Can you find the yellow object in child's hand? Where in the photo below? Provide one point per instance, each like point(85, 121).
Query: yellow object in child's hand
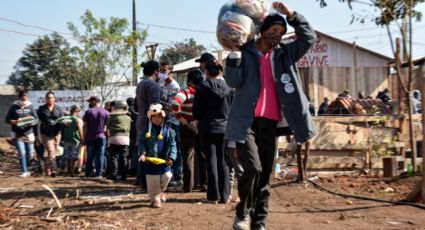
point(155, 160)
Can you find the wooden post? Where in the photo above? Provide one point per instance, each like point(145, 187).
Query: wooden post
point(151, 50)
point(409, 87)
point(134, 54)
point(368, 155)
point(422, 84)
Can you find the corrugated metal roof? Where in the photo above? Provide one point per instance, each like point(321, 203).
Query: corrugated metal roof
point(191, 64)
point(350, 106)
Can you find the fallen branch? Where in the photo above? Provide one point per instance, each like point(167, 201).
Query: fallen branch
point(15, 201)
point(54, 195)
point(52, 219)
point(50, 212)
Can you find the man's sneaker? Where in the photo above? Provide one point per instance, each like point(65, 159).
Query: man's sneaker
point(242, 224)
point(25, 174)
point(162, 197)
point(156, 203)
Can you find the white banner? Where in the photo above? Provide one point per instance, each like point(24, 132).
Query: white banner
point(66, 98)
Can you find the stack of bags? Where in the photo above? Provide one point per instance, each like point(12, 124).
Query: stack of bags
point(239, 21)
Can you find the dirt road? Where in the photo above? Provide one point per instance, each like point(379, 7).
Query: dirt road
point(103, 204)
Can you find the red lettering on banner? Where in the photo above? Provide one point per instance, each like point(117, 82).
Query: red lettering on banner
point(317, 56)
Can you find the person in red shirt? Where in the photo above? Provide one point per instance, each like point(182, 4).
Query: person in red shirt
point(181, 106)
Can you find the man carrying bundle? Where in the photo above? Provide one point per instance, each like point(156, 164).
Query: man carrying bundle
point(268, 90)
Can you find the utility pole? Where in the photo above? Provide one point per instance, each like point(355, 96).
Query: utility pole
point(151, 50)
point(134, 77)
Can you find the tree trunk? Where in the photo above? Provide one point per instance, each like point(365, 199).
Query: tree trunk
point(419, 191)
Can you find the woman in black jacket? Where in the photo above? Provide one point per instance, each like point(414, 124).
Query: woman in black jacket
point(50, 130)
point(210, 107)
point(22, 118)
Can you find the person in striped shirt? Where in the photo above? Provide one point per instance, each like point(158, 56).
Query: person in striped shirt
point(181, 106)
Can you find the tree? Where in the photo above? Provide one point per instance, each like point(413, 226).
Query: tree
point(104, 56)
point(182, 51)
point(46, 64)
point(401, 13)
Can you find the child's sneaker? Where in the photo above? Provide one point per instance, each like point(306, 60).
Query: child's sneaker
point(156, 203)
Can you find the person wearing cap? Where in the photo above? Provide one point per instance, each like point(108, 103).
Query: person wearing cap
point(118, 133)
point(95, 120)
point(205, 57)
point(148, 92)
point(72, 137)
point(158, 149)
point(181, 107)
point(268, 89)
point(22, 118)
point(50, 132)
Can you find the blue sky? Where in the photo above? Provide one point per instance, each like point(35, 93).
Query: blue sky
point(187, 14)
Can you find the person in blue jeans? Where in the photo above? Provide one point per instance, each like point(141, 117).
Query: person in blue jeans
point(94, 132)
point(22, 118)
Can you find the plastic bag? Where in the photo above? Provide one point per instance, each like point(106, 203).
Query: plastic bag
point(255, 9)
point(239, 22)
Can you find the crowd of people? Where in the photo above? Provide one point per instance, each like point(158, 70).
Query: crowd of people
point(126, 138)
point(219, 129)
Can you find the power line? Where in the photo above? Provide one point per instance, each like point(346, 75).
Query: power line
point(356, 30)
point(18, 32)
point(177, 28)
point(31, 26)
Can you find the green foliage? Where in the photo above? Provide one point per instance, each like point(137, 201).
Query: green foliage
point(102, 58)
point(182, 51)
point(389, 10)
point(105, 53)
point(47, 63)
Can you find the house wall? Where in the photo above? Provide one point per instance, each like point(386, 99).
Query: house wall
point(332, 66)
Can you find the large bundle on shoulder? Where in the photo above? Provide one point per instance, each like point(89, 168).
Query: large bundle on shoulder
point(239, 21)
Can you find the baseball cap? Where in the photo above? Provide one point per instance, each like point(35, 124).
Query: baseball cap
point(205, 57)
